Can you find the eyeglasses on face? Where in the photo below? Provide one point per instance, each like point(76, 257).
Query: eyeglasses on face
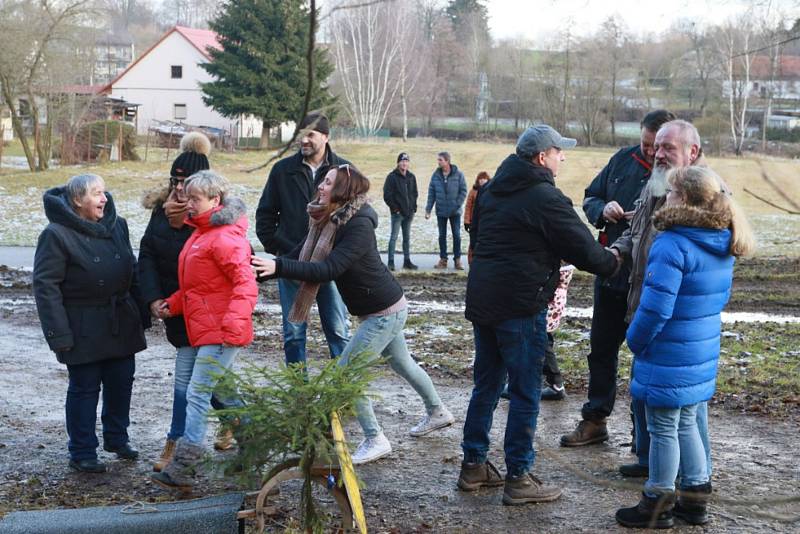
point(175, 180)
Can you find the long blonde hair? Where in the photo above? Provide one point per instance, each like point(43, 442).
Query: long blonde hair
point(701, 187)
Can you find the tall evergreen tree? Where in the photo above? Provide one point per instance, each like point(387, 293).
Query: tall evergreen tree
point(261, 69)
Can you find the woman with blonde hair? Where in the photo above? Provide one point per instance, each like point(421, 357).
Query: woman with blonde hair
point(216, 295)
point(675, 338)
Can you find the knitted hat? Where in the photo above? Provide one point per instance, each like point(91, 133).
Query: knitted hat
point(195, 148)
point(316, 121)
point(403, 156)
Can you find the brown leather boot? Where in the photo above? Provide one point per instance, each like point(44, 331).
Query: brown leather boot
point(526, 489)
point(476, 476)
point(457, 264)
point(586, 433)
point(442, 264)
point(224, 439)
point(166, 456)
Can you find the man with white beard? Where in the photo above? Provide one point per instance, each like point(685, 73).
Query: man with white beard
point(677, 144)
point(609, 204)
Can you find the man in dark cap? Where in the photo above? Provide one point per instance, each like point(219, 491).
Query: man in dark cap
point(400, 194)
point(526, 227)
point(282, 223)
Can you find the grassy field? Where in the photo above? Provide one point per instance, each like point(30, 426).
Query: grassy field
point(23, 218)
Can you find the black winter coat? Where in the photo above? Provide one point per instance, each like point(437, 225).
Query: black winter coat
point(158, 264)
point(622, 179)
point(364, 282)
point(400, 192)
point(281, 217)
point(526, 228)
point(84, 282)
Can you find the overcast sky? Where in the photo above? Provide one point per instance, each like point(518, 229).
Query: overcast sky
point(540, 19)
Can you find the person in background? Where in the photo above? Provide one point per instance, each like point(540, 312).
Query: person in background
point(675, 339)
point(163, 240)
point(85, 286)
point(341, 247)
point(216, 295)
point(447, 191)
point(282, 223)
point(480, 180)
point(400, 194)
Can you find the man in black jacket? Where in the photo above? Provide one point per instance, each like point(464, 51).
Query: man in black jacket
point(526, 228)
point(609, 203)
point(400, 194)
point(282, 224)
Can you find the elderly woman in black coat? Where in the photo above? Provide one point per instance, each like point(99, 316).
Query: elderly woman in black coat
point(84, 282)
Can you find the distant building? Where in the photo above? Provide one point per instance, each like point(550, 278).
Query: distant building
point(165, 82)
point(112, 54)
point(784, 85)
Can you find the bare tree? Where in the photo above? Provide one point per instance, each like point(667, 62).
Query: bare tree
point(734, 40)
point(612, 39)
point(412, 58)
point(366, 52)
point(31, 37)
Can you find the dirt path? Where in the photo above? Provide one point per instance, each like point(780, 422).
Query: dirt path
point(413, 490)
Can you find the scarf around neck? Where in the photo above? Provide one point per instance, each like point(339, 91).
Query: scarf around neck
point(317, 247)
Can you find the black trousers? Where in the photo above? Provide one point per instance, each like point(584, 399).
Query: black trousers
point(608, 333)
point(550, 370)
point(85, 381)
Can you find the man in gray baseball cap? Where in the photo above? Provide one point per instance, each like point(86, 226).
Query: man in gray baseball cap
point(522, 227)
point(540, 138)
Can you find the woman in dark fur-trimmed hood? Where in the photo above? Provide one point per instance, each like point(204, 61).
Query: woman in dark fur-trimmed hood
point(675, 339)
point(340, 246)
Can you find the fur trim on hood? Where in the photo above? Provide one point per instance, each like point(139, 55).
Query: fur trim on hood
point(196, 142)
point(155, 197)
point(693, 216)
point(232, 210)
point(346, 212)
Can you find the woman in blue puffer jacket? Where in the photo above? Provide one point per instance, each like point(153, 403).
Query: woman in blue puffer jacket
point(675, 338)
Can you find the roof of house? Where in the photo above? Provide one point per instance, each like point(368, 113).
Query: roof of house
point(202, 40)
point(761, 67)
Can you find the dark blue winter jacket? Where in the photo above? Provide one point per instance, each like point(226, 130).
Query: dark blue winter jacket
point(448, 193)
point(675, 333)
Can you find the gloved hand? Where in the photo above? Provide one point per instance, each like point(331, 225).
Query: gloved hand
point(467, 226)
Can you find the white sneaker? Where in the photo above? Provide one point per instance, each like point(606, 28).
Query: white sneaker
point(440, 418)
point(371, 449)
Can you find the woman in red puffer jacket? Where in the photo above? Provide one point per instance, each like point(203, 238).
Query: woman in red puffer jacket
point(216, 296)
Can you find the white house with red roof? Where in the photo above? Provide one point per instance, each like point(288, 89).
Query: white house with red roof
point(165, 82)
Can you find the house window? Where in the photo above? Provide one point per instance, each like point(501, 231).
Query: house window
point(179, 112)
point(177, 72)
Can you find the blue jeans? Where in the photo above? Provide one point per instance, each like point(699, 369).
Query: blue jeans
point(383, 336)
point(116, 377)
point(642, 436)
point(184, 365)
point(332, 315)
point(210, 360)
point(516, 345)
point(400, 221)
point(455, 227)
point(674, 444)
